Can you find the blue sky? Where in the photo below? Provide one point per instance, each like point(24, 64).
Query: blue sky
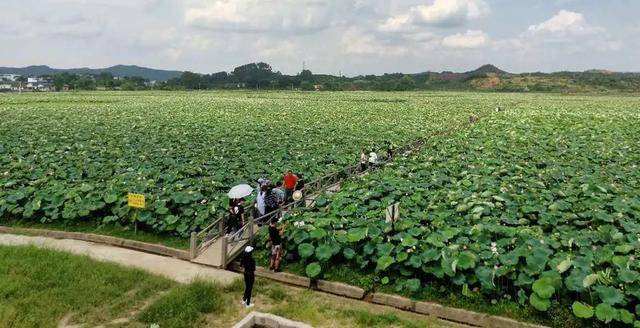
point(351, 36)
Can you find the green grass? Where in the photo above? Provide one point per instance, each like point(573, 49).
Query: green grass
point(106, 229)
point(39, 287)
point(184, 305)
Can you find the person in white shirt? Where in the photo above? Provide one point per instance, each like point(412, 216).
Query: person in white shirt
point(260, 204)
point(373, 158)
point(363, 161)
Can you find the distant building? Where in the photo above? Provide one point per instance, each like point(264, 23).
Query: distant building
point(39, 84)
point(5, 87)
point(9, 77)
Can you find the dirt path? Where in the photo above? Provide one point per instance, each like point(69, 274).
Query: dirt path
point(178, 270)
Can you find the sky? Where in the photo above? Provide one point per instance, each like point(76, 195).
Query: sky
point(351, 37)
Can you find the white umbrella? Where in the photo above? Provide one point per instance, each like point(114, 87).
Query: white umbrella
point(240, 191)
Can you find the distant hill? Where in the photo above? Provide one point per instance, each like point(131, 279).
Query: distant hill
point(118, 70)
point(485, 78)
point(486, 69)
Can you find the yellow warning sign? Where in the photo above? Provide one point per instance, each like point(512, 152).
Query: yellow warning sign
point(136, 200)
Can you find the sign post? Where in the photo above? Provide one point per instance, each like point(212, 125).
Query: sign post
point(137, 202)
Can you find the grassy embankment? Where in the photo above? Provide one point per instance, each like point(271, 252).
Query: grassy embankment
point(47, 288)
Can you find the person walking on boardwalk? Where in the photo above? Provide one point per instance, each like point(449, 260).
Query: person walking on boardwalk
point(300, 184)
point(364, 159)
point(236, 217)
point(289, 184)
point(275, 235)
point(249, 265)
point(270, 202)
point(260, 201)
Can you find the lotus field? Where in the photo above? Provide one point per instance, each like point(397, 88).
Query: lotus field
point(73, 157)
point(539, 204)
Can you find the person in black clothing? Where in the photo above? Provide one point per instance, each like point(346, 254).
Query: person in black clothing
point(236, 218)
point(389, 150)
point(249, 265)
point(300, 184)
point(275, 234)
point(270, 201)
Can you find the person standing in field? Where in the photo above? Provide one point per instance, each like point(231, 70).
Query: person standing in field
point(364, 159)
point(249, 265)
point(275, 235)
point(373, 158)
point(289, 184)
point(389, 150)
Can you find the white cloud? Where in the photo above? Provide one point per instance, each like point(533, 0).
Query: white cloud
point(272, 48)
point(451, 12)
point(254, 16)
point(564, 23)
point(61, 26)
point(471, 39)
point(172, 54)
point(396, 23)
point(566, 34)
point(443, 13)
point(357, 42)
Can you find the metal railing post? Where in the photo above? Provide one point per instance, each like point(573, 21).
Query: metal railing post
point(193, 244)
point(221, 228)
point(251, 231)
point(223, 256)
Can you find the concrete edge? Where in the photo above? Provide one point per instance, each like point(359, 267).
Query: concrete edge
point(101, 239)
point(450, 314)
point(283, 277)
point(269, 320)
point(395, 301)
point(340, 289)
